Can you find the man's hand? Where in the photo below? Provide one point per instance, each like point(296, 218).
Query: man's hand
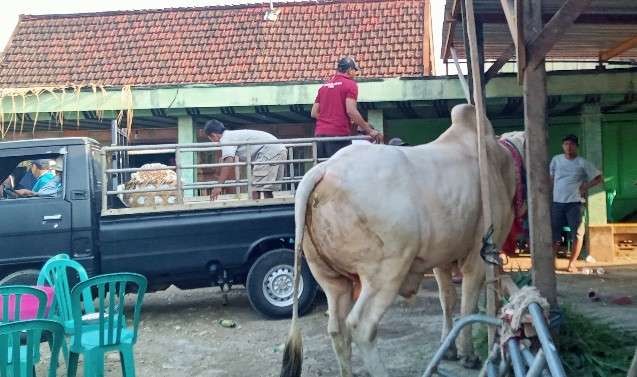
point(583, 190)
point(24, 193)
point(215, 193)
point(376, 135)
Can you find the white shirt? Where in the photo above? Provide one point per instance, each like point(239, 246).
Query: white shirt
point(243, 136)
point(568, 176)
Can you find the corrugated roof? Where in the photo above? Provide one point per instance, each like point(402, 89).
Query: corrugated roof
point(604, 25)
point(219, 44)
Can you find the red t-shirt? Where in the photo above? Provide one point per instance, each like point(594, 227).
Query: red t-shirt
point(333, 119)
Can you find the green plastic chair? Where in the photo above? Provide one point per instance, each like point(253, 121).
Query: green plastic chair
point(21, 340)
point(12, 302)
point(55, 273)
point(12, 297)
point(108, 329)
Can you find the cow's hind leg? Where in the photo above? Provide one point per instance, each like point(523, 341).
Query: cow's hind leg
point(447, 293)
point(473, 270)
point(364, 318)
point(339, 301)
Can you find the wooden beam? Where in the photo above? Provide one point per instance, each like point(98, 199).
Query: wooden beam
point(512, 10)
point(499, 63)
point(448, 42)
point(520, 47)
point(508, 7)
point(484, 131)
point(461, 77)
point(561, 21)
point(622, 47)
point(537, 162)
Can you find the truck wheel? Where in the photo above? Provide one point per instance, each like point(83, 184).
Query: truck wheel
point(24, 277)
point(270, 282)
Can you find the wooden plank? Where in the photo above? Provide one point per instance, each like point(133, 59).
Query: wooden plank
point(622, 47)
point(508, 7)
point(499, 63)
point(467, 49)
point(485, 191)
point(461, 77)
point(537, 176)
point(557, 26)
point(448, 42)
point(520, 47)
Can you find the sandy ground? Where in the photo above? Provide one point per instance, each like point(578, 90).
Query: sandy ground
point(180, 334)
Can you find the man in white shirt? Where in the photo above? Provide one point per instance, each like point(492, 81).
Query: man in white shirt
point(572, 176)
point(216, 132)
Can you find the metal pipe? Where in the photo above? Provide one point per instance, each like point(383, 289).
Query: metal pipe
point(492, 371)
point(180, 191)
point(453, 334)
point(529, 358)
point(104, 185)
point(131, 170)
point(185, 147)
point(516, 357)
point(538, 366)
point(552, 357)
point(249, 171)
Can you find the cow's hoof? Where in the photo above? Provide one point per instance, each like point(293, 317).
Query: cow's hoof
point(451, 354)
point(470, 362)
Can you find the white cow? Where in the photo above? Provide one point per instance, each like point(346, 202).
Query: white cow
point(375, 218)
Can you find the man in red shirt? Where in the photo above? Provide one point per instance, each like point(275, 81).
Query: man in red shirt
point(335, 109)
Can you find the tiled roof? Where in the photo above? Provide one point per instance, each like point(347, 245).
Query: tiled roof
point(389, 38)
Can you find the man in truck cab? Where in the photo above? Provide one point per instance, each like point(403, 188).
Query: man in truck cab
point(43, 175)
point(216, 132)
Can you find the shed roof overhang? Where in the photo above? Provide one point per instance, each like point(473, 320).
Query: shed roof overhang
point(606, 30)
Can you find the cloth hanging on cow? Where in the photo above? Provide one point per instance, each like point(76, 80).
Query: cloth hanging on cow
point(519, 199)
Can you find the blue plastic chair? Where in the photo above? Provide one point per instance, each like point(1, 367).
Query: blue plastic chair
point(60, 272)
point(107, 330)
point(19, 342)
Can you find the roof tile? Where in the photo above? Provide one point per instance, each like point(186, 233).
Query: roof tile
point(217, 44)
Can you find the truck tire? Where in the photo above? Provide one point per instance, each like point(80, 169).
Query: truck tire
point(23, 277)
point(270, 282)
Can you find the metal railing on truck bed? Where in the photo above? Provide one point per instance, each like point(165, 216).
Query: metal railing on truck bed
point(194, 160)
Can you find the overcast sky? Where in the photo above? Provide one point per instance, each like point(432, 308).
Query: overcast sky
point(11, 9)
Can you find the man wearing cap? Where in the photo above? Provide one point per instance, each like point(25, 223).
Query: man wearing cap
point(261, 173)
point(42, 173)
point(572, 176)
point(53, 188)
point(335, 109)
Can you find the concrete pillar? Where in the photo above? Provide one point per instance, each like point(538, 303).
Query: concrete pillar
point(187, 134)
point(591, 120)
point(376, 119)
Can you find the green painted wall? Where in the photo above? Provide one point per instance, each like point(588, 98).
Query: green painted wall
point(620, 168)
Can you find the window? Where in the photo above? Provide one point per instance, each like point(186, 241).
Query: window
point(29, 177)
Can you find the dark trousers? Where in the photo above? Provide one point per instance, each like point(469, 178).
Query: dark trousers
point(326, 149)
point(567, 214)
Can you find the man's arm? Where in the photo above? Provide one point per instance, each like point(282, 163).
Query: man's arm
point(315, 110)
point(225, 172)
point(587, 185)
point(356, 117)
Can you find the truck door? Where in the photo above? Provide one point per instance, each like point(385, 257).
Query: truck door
point(34, 228)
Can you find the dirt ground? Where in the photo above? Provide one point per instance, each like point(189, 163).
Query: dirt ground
point(180, 334)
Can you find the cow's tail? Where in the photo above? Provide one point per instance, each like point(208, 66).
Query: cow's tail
point(293, 354)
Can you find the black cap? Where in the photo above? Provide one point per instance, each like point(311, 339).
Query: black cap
point(347, 63)
point(571, 138)
point(213, 126)
point(42, 163)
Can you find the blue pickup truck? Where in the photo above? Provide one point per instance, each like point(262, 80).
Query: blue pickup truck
point(188, 246)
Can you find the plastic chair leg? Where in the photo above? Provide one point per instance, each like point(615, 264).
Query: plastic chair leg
point(72, 364)
point(94, 363)
point(127, 360)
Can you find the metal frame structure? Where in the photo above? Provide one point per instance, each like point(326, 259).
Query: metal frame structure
point(110, 175)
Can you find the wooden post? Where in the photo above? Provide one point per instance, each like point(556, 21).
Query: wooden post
point(537, 174)
point(483, 162)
